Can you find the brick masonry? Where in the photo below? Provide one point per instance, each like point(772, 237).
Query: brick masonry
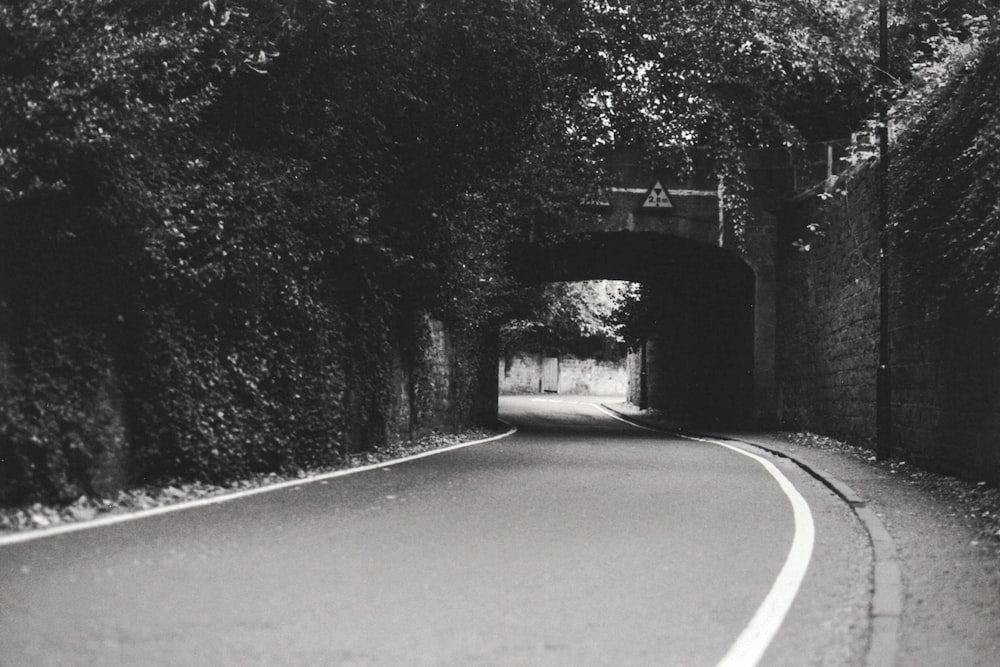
point(946, 384)
point(944, 358)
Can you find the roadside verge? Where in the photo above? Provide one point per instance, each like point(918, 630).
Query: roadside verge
point(250, 488)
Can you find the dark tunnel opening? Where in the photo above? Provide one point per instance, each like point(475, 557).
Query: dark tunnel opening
point(696, 361)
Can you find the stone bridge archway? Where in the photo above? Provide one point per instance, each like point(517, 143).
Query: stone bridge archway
point(717, 292)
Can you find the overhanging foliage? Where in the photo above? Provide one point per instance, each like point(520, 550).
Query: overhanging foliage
point(947, 184)
point(235, 207)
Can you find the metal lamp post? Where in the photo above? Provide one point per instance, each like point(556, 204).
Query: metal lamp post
point(883, 386)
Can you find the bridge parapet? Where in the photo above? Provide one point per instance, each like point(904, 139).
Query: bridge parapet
point(691, 206)
point(672, 231)
point(654, 208)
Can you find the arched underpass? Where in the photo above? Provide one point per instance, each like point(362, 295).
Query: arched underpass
point(698, 363)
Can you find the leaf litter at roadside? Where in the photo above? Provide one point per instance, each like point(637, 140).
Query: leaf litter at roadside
point(84, 508)
point(975, 503)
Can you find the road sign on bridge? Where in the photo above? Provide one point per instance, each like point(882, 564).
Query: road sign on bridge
point(657, 198)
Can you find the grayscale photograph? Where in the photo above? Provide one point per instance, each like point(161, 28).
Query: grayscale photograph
point(500, 333)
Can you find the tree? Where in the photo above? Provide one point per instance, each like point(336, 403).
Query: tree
point(242, 206)
point(233, 201)
point(578, 317)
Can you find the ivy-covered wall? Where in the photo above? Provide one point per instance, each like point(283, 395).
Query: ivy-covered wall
point(97, 394)
point(246, 236)
point(944, 328)
point(946, 384)
point(946, 269)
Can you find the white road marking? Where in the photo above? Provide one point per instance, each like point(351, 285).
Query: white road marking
point(749, 647)
point(29, 535)
point(746, 651)
point(623, 420)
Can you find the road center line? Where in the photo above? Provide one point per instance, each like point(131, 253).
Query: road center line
point(751, 644)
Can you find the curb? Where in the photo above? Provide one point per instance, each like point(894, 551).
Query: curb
point(887, 582)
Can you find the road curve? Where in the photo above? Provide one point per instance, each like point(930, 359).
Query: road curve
point(579, 541)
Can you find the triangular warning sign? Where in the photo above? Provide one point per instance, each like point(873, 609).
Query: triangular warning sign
point(657, 197)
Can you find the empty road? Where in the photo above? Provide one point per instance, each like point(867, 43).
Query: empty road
point(580, 540)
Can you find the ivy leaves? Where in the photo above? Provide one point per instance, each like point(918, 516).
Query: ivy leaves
point(946, 194)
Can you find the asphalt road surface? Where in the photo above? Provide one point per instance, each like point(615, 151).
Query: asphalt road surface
point(581, 540)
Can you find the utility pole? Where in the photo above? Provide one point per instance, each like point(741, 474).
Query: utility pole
point(883, 385)
point(643, 376)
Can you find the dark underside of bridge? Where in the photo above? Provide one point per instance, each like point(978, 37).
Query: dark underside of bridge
point(700, 299)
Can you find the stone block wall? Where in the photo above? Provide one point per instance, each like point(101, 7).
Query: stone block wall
point(633, 372)
point(587, 376)
point(946, 384)
point(522, 373)
point(442, 378)
point(943, 353)
point(427, 378)
point(827, 310)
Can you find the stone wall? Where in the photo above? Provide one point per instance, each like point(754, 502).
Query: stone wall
point(426, 380)
point(522, 374)
point(944, 357)
point(699, 355)
point(945, 384)
point(633, 371)
point(827, 319)
point(70, 395)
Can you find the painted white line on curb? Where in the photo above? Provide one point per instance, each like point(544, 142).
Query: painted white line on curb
point(749, 647)
point(29, 535)
point(623, 420)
